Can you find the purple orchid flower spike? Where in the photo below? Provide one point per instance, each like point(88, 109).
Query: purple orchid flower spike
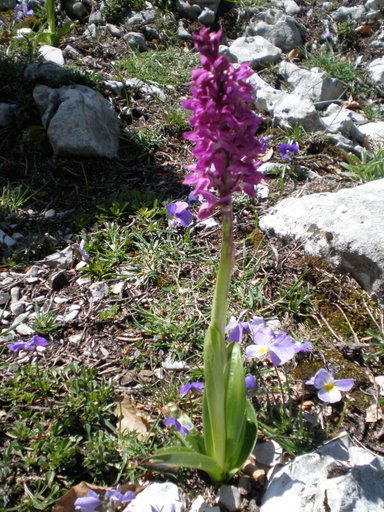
point(197, 386)
point(88, 503)
point(183, 429)
point(328, 388)
point(117, 495)
point(288, 150)
point(224, 127)
point(178, 214)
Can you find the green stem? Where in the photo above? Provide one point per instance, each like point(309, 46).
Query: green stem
point(220, 298)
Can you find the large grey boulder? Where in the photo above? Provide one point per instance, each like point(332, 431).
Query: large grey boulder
point(374, 133)
point(338, 477)
point(344, 121)
point(313, 84)
point(253, 49)
point(288, 110)
point(194, 8)
point(344, 227)
point(79, 121)
point(279, 29)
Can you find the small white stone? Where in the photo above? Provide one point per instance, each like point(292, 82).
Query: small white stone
point(52, 54)
point(72, 315)
point(165, 496)
point(117, 288)
point(269, 453)
point(18, 308)
point(99, 290)
point(24, 330)
point(49, 214)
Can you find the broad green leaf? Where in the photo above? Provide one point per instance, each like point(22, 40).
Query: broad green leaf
point(248, 441)
point(184, 457)
point(214, 395)
point(235, 402)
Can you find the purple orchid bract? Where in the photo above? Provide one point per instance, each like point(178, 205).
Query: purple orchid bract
point(328, 388)
point(224, 127)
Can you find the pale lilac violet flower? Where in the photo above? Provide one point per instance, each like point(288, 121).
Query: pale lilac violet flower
point(193, 198)
point(303, 347)
point(329, 389)
point(31, 344)
point(88, 503)
point(168, 508)
point(117, 495)
point(238, 328)
point(269, 347)
point(288, 150)
point(22, 11)
point(178, 214)
point(250, 384)
point(197, 386)
point(183, 429)
point(224, 127)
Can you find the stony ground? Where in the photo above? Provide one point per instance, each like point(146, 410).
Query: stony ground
point(144, 330)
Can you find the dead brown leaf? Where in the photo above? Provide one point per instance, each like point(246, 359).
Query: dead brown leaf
point(130, 419)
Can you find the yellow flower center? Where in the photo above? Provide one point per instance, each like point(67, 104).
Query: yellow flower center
point(262, 351)
point(329, 386)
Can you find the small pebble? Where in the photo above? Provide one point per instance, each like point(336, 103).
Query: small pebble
point(24, 330)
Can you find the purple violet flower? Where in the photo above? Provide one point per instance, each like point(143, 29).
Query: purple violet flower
point(88, 503)
point(237, 328)
point(288, 150)
point(178, 214)
point(183, 429)
point(193, 198)
point(329, 389)
point(22, 11)
point(31, 344)
point(250, 384)
point(117, 495)
point(269, 347)
point(197, 386)
point(224, 127)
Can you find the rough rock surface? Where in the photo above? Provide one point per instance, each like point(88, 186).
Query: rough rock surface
point(255, 50)
point(79, 121)
point(344, 227)
point(338, 477)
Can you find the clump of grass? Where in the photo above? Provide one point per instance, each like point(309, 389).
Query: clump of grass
point(115, 10)
point(13, 198)
point(370, 167)
point(163, 67)
point(45, 322)
point(336, 67)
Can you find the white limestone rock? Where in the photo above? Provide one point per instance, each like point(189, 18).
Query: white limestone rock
point(313, 84)
point(374, 132)
point(376, 70)
point(338, 477)
point(343, 227)
point(165, 496)
point(278, 28)
point(51, 54)
point(253, 49)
